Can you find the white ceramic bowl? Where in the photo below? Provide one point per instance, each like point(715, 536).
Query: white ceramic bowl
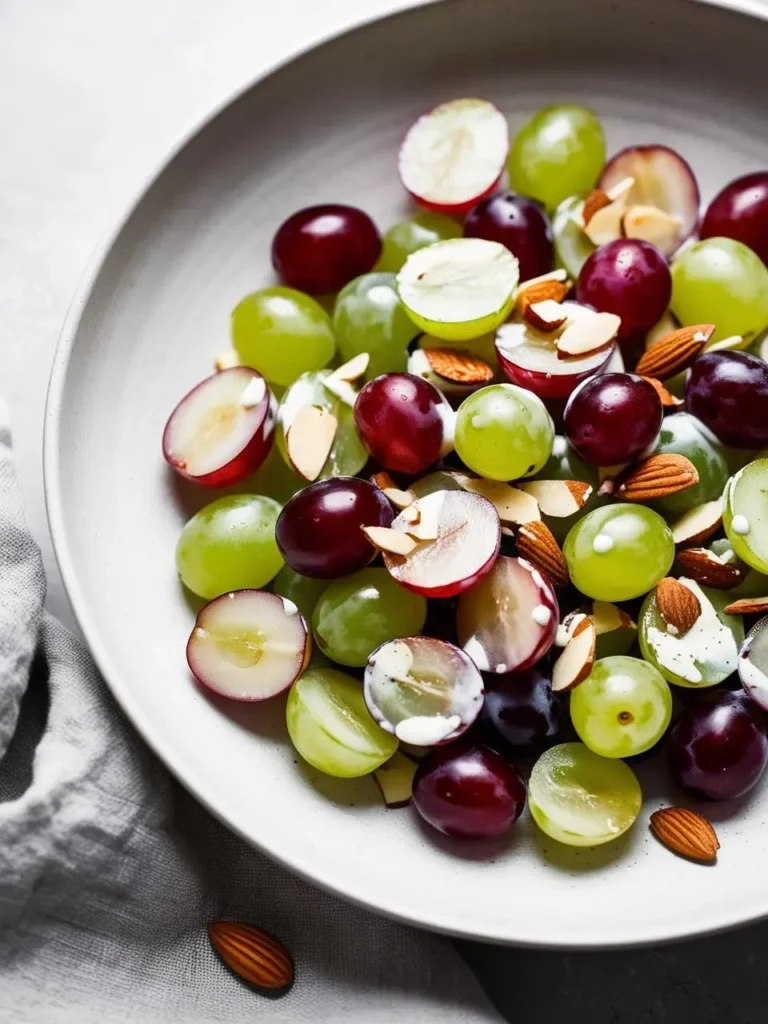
point(156, 308)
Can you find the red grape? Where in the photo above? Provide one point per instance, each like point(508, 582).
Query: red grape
point(613, 418)
point(468, 792)
point(728, 392)
point(321, 248)
point(523, 709)
point(629, 278)
point(319, 529)
point(740, 211)
point(718, 748)
point(518, 223)
point(400, 419)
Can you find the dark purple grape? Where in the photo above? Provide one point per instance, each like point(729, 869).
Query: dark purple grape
point(613, 418)
point(400, 421)
point(718, 748)
point(468, 792)
point(518, 223)
point(629, 278)
point(740, 211)
point(523, 709)
point(728, 392)
point(321, 248)
point(318, 530)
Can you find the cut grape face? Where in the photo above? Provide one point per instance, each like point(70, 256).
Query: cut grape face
point(579, 798)
point(458, 536)
point(425, 691)
point(331, 727)
point(753, 664)
point(223, 429)
point(745, 514)
point(248, 645)
point(508, 621)
point(454, 155)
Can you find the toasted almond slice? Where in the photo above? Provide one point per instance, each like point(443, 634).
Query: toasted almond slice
point(393, 541)
point(605, 224)
point(705, 567)
point(411, 513)
point(226, 360)
point(650, 224)
point(575, 663)
point(686, 833)
point(588, 334)
point(674, 353)
point(699, 523)
point(596, 200)
point(536, 543)
point(541, 289)
point(748, 606)
point(513, 504)
point(458, 367)
point(354, 369)
point(679, 607)
point(309, 440)
point(607, 618)
point(657, 477)
point(342, 389)
point(546, 315)
point(668, 400)
point(557, 498)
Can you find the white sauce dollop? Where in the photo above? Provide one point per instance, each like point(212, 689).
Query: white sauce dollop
point(740, 525)
point(541, 615)
point(426, 730)
point(253, 392)
point(602, 544)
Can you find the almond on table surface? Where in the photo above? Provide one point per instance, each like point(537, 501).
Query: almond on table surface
point(253, 954)
point(686, 833)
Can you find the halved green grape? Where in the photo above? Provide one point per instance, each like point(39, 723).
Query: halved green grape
point(230, 545)
point(559, 152)
point(683, 434)
point(619, 552)
point(564, 464)
point(413, 233)
point(347, 455)
point(459, 289)
point(282, 333)
point(580, 798)
point(572, 247)
point(304, 591)
point(745, 514)
point(504, 432)
point(368, 317)
point(721, 281)
point(331, 727)
point(704, 656)
point(622, 708)
point(360, 612)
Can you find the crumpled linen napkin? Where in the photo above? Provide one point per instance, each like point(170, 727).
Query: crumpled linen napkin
point(109, 871)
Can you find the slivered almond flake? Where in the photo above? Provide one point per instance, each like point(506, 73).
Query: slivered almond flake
point(668, 400)
point(390, 490)
point(354, 369)
point(686, 833)
point(650, 224)
point(656, 477)
point(699, 523)
point(733, 344)
point(621, 189)
point(607, 618)
point(546, 315)
point(458, 367)
point(679, 607)
point(596, 200)
point(605, 224)
point(426, 526)
point(392, 541)
point(513, 504)
point(536, 543)
point(541, 289)
point(705, 567)
point(254, 955)
point(558, 498)
point(309, 440)
point(575, 663)
point(588, 334)
point(608, 475)
point(675, 352)
point(748, 606)
point(226, 360)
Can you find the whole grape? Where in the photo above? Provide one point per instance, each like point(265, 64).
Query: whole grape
point(368, 317)
point(413, 233)
point(740, 211)
point(613, 418)
point(630, 278)
point(728, 392)
point(517, 223)
point(504, 432)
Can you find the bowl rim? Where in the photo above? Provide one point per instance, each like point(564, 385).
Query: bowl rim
point(112, 677)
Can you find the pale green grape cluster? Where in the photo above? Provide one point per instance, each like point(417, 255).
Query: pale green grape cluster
point(504, 432)
point(368, 317)
point(413, 233)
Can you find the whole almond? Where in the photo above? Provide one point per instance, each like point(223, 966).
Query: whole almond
point(675, 352)
point(656, 477)
point(705, 567)
point(253, 954)
point(536, 543)
point(747, 606)
point(686, 833)
point(458, 367)
point(678, 606)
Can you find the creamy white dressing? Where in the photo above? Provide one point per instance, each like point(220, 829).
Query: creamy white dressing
point(426, 730)
point(740, 525)
point(602, 544)
point(708, 642)
point(253, 392)
point(541, 615)
point(473, 648)
point(289, 607)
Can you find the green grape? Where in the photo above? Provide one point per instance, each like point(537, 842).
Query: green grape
point(745, 514)
point(368, 317)
point(282, 333)
point(683, 434)
point(622, 708)
point(581, 799)
point(704, 656)
point(415, 232)
point(230, 545)
point(572, 247)
point(331, 727)
point(559, 152)
point(564, 464)
point(721, 281)
point(302, 590)
point(504, 432)
point(440, 480)
point(619, 552)
point(360, 612)
point(347, 455)
point(275, 477)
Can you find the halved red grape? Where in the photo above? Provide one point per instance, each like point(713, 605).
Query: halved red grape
point(403, 422)
point(629, 278)
point(425, 691)
point(740, 211)
point(523, 709)
point(322, 248)
point(468, 792)
point(728, 392)
point(613, 418)
point(319, 530)
point(249, 645)
point(508, 621)
point(518, 223)
point(223, 429)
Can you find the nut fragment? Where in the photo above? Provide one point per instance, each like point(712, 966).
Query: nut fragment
point(513, 504)
point(650, 224)
point(552, 286)
point(536, 543)
point(607, 618)
point(596, 200)
point(254, 955)
point(575, 663)
point(686, 833)
point(748, 606)
point(679, 607)
point(399, 498)
point(588, 334)
point(309, 440)
point(699, 523)
point(395, 780)
point(675, 352)
point(668, 400)
point(558, 498)
point(704, 566)
point(393, 541)
point(354, 369)
point(656, 477)
point(458, 367)
point(605, 224)
point(546, 315)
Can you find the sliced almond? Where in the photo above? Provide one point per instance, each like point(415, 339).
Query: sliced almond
point(596, 200)
point(354, 369)
point(686, 833)
point(679, 607)
point(541, 289)
point(705, 567)
point(395, 780)
point(650, 224)
point(668, 400)
point(699, 523)
point(588, 334)
point(342, 389)
point(546, 316)
point(226, 360)
point(393, 541)
point(458, 367)
point(426, 526)
point(748, 606)
point(399, 498)
point(605, 224)
point(558, 498)
point(621, 189)
point(513, 504)
point(536, 543)
point(575, 663)
point(736, 343)
point(309, 440)
point(607, 618)
point(675, 352)
point(657, 477)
